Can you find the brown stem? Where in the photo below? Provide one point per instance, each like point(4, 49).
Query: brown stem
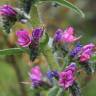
point(11, 59)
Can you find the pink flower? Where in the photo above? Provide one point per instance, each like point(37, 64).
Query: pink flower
point(24, 38)
point(71, 67)
point(7, 10)
point(66, 78)
point(86, 52)
point(35, 76)
point(84, 57)
point(68, 35)
point(88, 47)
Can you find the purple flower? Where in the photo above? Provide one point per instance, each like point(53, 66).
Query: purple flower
point(35, 76)
point(86, 52)
point(52, 74)
point(7, 10)
point(24, 38)
point(58, 35)
point(76, 50)
point(66, 78)
point(37, 33)
point(88, 47)
point(71, 67)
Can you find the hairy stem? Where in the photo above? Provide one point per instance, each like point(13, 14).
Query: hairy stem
point(47, 51)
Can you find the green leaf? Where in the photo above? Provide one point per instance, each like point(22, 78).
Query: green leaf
point(11, 51)
point(44, 41)
point(53, 91)
point(34, 14)
point(69, 5)
point(61, 92)
point(93, 58)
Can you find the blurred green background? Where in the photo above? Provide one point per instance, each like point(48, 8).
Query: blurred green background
point(14, 69)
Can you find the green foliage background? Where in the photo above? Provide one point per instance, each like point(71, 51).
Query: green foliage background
point(53, 18)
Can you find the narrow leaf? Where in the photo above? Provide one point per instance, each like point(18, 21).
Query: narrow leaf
point(53, 91)
point(69, 5)
point(60, 92)
point(44, 41)
point(11, 51)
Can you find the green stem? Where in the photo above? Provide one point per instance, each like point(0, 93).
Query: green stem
point(47, 52)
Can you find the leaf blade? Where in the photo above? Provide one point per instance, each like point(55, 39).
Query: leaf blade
point(11, 51)
point(67, 4)
point(44, 42)
point(53, 91)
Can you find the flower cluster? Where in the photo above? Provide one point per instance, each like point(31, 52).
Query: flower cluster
point(9, 15)
point(30, 40)
point(35, 76)
point(66, 78)
point(86, 52)
point(82, 52)
point(11, 12)
point(60, 75)
point(7, 10)
point(26, 39)
point(63, 78)
point(66, 36)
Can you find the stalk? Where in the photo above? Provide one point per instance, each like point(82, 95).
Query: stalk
point(47, 52)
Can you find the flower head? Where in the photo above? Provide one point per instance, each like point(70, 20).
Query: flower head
point(86, 52)
point(84, 57)
point(58, 35)
point(76, 50)
point(37, 33)
point(88, 47)
point(7, 10)
point(66, 78)
point(52, 74)
point(35, 76)
point(71, 67)
point(24, 38)
point(8, 16)
point(68, 35)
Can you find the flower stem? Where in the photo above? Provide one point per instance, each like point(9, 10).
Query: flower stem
point(47, 52)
